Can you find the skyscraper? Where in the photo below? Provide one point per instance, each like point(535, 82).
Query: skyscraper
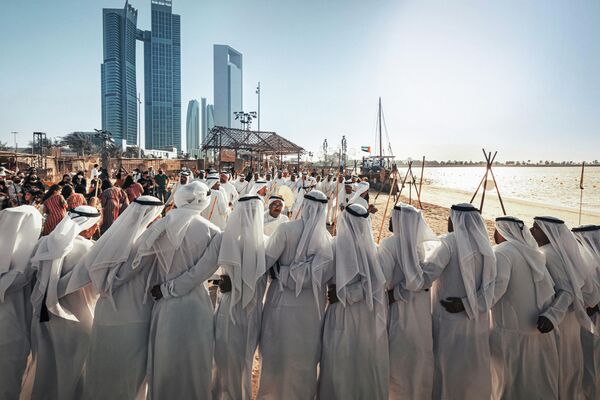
point(192, 126)
point(162, 77)
point(227, 85)
point(118, 86)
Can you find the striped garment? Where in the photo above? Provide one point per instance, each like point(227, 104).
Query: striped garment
point(55, 208)
point(75, 200)
point(114, 201)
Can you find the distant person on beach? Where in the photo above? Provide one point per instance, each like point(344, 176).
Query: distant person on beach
point(355, 355)
point(589, 237)
point(525, 311)
point(408, 280)
point(461, 299)
point(239, 306)
point(180, 252)
point(300, 257)
point(574, 282)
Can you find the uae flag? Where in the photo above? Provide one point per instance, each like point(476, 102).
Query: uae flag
point(366, 148)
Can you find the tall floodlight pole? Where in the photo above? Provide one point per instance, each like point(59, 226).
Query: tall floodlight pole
point(16, 165)
point(325, 150)
point(258, 93)
point(139, 138)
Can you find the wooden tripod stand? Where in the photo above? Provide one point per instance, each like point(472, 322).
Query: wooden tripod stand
point(484, 181)
point(412, 183)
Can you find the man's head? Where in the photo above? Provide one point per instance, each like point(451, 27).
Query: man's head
point(160, 171)
point(293, 178)
point(183, 178)
point(275, 206)
point(539, 235)
point(279, 175)
point(96, 166)
point(498, 238)
point(223, 177)
point(348, 188)
point(66, 178)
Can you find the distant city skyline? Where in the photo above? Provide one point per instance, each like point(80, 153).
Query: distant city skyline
point(520, 78)
point(192, 126)
point(228, 85)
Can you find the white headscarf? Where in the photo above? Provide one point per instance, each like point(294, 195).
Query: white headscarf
point(577, 267)
point(314, 249)
point(413, 240)
point(361, 187)
point(356, 256)
point(589, 237)
point(258, 185)
point(275, 198)
point(49, 257)
point(243, 249)
point(472, 240)
point(212, 179)
point(21, 228)
point(516, 233)
point(190, 201)
point(105, 258)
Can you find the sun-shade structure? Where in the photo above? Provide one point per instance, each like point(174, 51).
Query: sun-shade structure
point(267, 143)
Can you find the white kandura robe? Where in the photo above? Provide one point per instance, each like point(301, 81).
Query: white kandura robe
point(591, 360)
point(60, 346)
point(355, 359)
point(331, 202)
point(460, 345)
point(524, 361)
point(290, 340)
point(271, 223)
point(116, 361)
point(15, 324)
point(568, 331)
point(180, 353)
point(218, 210)
point(235, 343)
point(231, 191)
point(410, 332)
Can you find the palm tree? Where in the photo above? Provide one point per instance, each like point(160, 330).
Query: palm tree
point(3, 146)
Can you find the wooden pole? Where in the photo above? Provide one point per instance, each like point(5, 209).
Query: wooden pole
point(487, 168)
point(403, 182)
point(581, 191)
point(421, 181)
point(387, 204)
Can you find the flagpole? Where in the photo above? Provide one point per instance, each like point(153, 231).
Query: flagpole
point(581, 191)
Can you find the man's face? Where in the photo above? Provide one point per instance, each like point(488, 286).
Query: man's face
point(293, 178)
point(183, 179)
point(348, 189)
point(498, 238)
point(275, 208)
point(450, 225)
point(262, 192)
point(279, 175)
point(223, 178)
point(539, 235)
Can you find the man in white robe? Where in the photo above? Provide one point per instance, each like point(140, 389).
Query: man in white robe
point(273, 216)
point(230, 190)
point(239, 306)
point(345, 194)
point(218, 210)
point(525, 311)
point(21, 228)
point(589, 237)
point(461, 299)
point(182, 249)
point(355, 354)
point(572, 274)
point(300, 254)
point(61, 325)
point(184, 179)
point(329, 188)
point(116, 361)
point(408, 280)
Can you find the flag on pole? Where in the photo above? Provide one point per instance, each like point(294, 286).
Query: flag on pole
point(366, 148)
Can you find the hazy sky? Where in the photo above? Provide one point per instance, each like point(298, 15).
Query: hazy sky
point(519, 77)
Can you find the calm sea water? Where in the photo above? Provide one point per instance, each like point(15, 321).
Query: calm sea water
point(558, 186)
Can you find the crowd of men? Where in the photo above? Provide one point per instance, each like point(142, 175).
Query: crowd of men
point(130, 314)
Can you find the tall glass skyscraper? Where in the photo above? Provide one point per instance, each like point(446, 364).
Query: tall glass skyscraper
point(227, 66)
point(162, 77)
point(192, 126)
point(118, 86)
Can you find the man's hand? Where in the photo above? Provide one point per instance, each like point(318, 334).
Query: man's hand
point(391, 299)
point(156, 292)
point(592, 310)
point(332, 295)
point(372, 209)
point(544, 325)
point(453, 305)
